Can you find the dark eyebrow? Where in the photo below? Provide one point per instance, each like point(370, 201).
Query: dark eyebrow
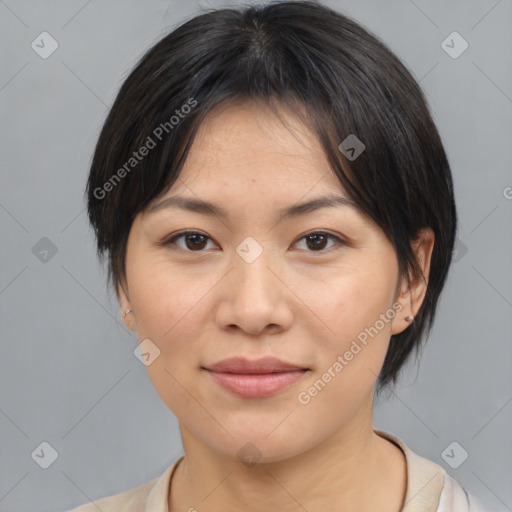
point(207, 208)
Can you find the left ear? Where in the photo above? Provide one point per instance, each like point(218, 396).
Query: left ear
point(414, 287)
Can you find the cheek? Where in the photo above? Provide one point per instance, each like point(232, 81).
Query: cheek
point(168, 309)
point(355, 308)
point(167, 304)
point(355, 301)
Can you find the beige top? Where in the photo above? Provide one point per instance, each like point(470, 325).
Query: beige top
point(425, 482)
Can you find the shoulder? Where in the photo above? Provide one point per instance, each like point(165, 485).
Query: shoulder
point(150, 496)
point(135, 499)
point(455, 498)
point(429, 487)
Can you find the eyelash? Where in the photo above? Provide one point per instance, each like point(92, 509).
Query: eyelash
point(182, 234)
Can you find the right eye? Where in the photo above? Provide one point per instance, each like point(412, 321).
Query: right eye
point(193, 241)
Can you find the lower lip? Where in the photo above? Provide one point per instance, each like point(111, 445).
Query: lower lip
point(256, 385)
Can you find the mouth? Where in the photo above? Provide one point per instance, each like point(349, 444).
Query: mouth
point(255, 379)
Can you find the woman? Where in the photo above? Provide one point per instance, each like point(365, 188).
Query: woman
point(277, 211)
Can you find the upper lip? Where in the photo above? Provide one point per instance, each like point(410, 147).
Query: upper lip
point(243, 365)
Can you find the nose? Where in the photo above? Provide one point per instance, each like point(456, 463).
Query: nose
point(254, 298)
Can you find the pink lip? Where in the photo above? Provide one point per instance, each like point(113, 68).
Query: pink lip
point(253, 379)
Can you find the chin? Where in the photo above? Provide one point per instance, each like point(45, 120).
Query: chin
point(255, 446)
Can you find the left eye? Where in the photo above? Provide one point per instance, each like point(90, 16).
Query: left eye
point(196, 242)
point(317, 240)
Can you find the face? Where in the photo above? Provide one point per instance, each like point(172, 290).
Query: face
point(316, 289)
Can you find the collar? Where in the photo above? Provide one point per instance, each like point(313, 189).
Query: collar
point(424, 479)
point(158, 497)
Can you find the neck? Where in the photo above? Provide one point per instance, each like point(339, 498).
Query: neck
point(354, 469)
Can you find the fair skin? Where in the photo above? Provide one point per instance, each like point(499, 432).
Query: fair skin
point(301, 300)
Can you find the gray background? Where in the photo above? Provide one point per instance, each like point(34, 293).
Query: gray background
point(68, 373)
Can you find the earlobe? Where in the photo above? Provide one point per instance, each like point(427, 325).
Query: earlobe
point(126, 309)
point(405, 316)
point(414, 288)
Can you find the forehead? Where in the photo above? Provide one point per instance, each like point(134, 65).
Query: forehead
point(248, 142)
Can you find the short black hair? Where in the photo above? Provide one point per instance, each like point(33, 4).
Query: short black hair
point(296, 53)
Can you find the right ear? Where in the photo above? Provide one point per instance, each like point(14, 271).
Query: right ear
point(124, 303)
